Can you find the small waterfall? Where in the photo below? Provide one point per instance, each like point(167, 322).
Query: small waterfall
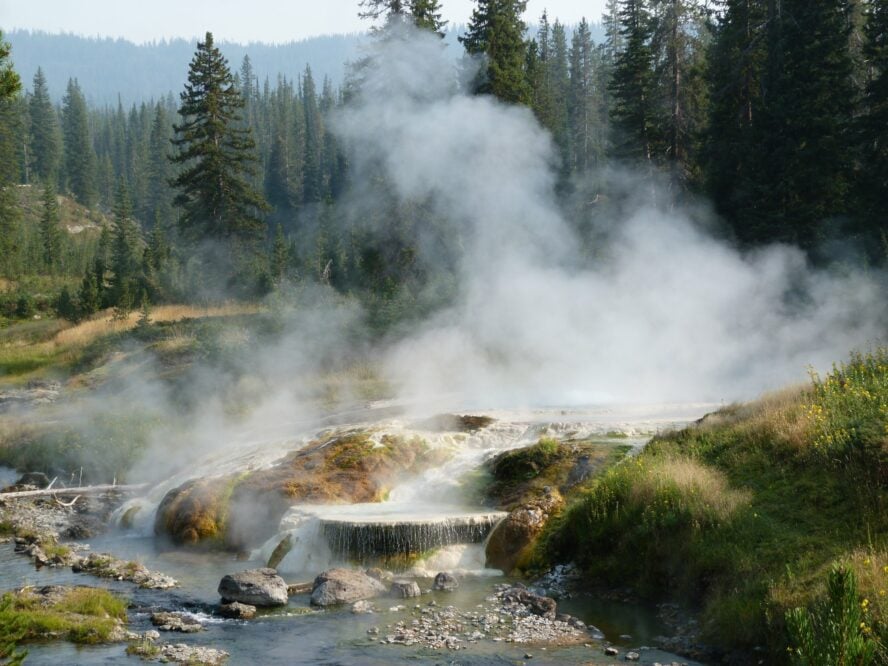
point(364, 542)
point(395, 535)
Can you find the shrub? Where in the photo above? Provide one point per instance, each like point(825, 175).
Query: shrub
point(835, 631)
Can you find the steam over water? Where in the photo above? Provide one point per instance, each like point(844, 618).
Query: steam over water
point(664, 313)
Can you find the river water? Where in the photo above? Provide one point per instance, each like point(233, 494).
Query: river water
point(296, 634)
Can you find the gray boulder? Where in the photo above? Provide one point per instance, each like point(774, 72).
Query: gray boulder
point(176, 622)
point(405, 589)
point(256, 587)
point(237, 611)
point(537, 604)
point(344, 586)
point(445, 582)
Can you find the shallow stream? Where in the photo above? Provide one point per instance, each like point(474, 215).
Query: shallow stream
point(297, 634)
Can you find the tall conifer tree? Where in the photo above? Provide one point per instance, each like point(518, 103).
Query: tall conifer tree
point(496, 32)
point(45, 139)
point(217, 154)
point(80, 158)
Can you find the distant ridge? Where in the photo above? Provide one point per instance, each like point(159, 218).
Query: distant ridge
point(108, 67)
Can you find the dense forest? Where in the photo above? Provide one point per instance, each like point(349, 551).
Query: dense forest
point(775, 110)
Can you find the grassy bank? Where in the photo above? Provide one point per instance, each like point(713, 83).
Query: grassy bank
point(744, 514)
point(81, 615)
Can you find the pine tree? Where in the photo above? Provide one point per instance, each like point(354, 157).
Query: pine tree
point(632, 86)
point(89, 297)
point(872, 139)
point(45, 137)
point(216, 198)
point(804, 177)
point(312, 184)
point(496, 32)
point(559, 85)
point(279, 256)
point(80, 159)
point(10, 83)
point(733, 151)
point(10, 131)
point(66, 307)
point(158, 195)
point(50, 231)
point(583, 102)
point(124, 248)
point(679, 44)
point(426, 14)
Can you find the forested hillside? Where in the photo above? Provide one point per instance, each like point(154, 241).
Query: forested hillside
point(773, 111)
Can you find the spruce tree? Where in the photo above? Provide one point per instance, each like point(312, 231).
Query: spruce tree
point(45, 137)
point(50, 231)
point(10, 83)
point(872, 139)
point(10, 131)
point(80, 159)
point(158, 195)
point(426, 14)
point(679, 43)
point(804, 177)
point(734, 140)
point(632, 86)
point(279, 256)
point(583, 102)
point(496, 33)
point(124, 248)
point(312, 183)
point(217, 200)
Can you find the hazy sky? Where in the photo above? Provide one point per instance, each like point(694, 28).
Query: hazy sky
point(233, 20)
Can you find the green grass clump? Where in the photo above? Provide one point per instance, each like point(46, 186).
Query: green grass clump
point(527, 463)
point(744, 514)
point(81, 615)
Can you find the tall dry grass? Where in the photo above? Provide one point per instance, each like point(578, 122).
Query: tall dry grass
point(104, 323)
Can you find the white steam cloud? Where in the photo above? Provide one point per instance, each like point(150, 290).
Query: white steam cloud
point(669, 313)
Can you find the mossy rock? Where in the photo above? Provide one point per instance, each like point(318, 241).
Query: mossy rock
point(194, 512)
point(238, 512)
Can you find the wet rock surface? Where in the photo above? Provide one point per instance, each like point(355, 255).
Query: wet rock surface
point(37, 524)
point(180, 653)
point(242, 510)
point(176, 622)
point(445, 582)
point(405, 589)
point(256, 587)
point(499, 619)
point(237, 611)
point(344, 586)
point(514, 536)
point(105, 565)
point(536, 603)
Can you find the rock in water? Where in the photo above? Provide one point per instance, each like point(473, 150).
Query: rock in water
point(538, 605)
point(175, 622)
point(237, 611)
point(405, 589)
point(362, 607)
point(256, 587)
point(445, 582)
point(344, 586)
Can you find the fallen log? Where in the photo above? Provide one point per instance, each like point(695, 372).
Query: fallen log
point(86, 490)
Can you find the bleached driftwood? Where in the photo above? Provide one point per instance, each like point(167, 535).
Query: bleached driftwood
point(86, 490)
